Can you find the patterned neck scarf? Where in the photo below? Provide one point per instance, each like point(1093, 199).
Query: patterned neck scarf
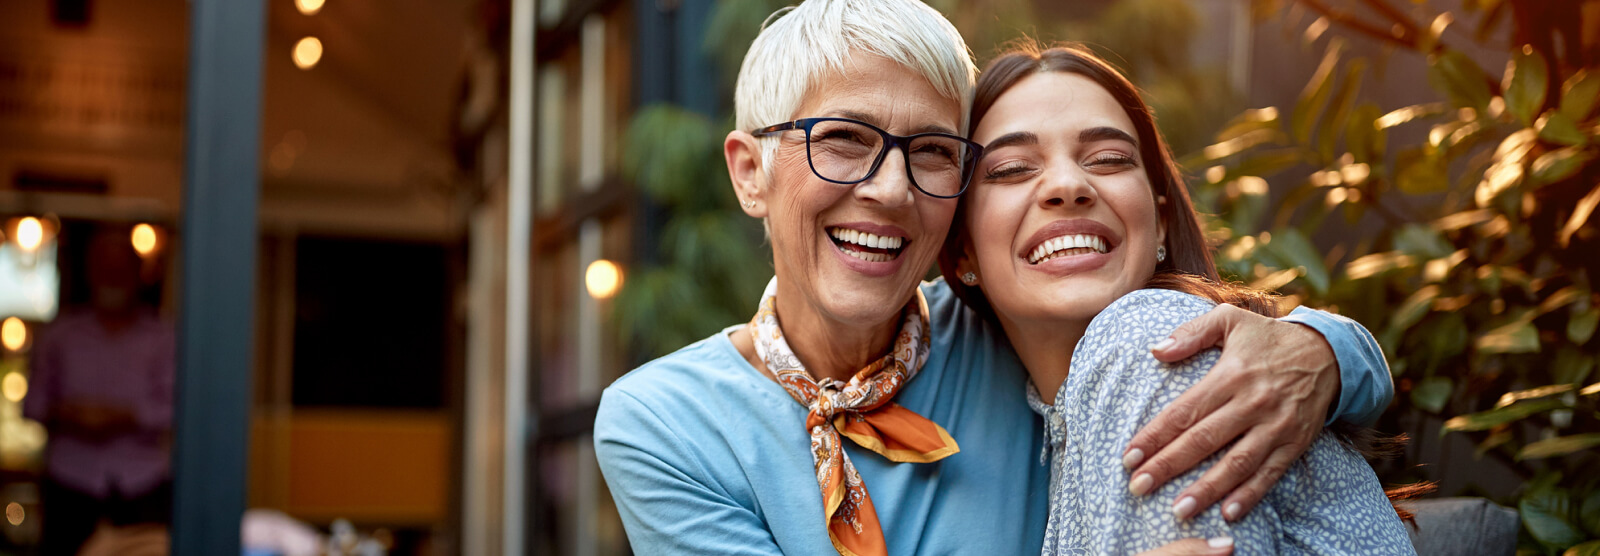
point(859, 410)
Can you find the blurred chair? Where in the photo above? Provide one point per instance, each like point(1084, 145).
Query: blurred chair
point(1463, 527)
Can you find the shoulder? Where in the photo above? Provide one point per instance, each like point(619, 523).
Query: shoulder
point(1151, 313)
point(683, 391)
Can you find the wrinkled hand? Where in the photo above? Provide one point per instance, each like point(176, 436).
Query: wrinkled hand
point(1220, 546)
point(1270, 390)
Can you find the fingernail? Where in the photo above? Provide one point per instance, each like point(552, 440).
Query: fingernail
point(1164, 344)
point(1231, 511)
point(1184, 506)
point(1132, 458)
point(1220, 542)
point(1141, 484)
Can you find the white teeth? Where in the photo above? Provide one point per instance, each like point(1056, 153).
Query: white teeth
point(869, 257)
point(1054, 247)
point(866, 240)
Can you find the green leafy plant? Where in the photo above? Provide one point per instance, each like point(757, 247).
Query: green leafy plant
point(1471, 254)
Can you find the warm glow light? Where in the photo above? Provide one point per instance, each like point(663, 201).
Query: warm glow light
point(308, 7)
point(13, 334)
point(14, 513)
point(144, 239)
point(30, 233)
point(307, 52)
point(603, 278)
point(14, 387)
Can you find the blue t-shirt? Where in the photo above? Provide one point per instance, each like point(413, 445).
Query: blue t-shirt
point(705, 455)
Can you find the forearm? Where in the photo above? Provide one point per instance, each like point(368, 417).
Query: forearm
point(1365, 385)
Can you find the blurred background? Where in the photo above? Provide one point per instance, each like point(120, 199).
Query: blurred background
point(472, 215)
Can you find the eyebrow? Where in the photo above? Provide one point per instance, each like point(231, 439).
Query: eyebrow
point(1012, 139)
point(1104, 133)
point(926, 128)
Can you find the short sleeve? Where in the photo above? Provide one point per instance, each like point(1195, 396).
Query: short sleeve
point(668, 502)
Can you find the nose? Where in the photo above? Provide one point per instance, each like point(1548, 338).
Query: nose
point(1068, 187)
point(891, 185)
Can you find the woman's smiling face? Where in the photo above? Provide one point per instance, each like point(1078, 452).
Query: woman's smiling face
point(855, 253)
point(1061, 216)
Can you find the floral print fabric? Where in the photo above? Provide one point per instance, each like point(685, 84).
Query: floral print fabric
point(1329, 501)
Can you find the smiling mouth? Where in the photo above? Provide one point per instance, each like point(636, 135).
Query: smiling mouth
point(1067, 246)
point(868, 247)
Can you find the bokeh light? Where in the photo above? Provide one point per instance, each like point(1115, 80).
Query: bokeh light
point(13, 334)
point(14, 386)
point(30, 233)
point(14, 513)
point(307, 53)
point(308, 7)
point(144, 239)
point(603, 278)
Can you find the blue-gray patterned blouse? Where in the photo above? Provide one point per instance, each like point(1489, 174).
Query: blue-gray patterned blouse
point(1329, 501)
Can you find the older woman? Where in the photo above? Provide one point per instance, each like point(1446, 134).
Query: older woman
point(766, 438)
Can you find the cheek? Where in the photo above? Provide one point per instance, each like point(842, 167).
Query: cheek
point(991, 221)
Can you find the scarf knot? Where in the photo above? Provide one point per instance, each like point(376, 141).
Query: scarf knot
point(861, 410)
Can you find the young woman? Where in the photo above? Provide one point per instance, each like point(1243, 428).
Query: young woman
point(1077, 231)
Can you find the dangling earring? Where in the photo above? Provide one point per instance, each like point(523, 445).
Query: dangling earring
point(1161, 253)
point(969, 279)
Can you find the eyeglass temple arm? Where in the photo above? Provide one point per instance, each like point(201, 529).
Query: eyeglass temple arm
point(774, 128)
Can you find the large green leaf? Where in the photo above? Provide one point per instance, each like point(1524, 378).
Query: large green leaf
point(1422, 241)
point(1315, 95)
point(1559, 446)
point(1421, 172)
point(1557, 127)
point(1546, 512)
point(1431, 393)
point(1339, 106)
point(1526, 77)
point(1515, 337)
point(1485, 420)
point(1460, 78)
point(1589, 512)
point(1559, 164)
point(1572, 366)
point(1579, 95)
point(1581, 327)
point(1362, 137)
point(1292, 249)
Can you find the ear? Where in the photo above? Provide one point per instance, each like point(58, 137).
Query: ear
point(743, 155)
point(1161, 221)
point(968, 263)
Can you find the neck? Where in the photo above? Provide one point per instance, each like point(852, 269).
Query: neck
point(830, 348)
point(1045, 348)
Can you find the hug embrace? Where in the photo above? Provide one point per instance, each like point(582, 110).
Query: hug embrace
point(1081, 381)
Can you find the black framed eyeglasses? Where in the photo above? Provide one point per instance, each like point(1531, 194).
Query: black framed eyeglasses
point(847, 152)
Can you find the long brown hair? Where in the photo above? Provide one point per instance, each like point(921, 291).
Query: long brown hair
point(1188, 267)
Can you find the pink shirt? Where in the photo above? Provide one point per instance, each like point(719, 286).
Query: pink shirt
point(76, 360)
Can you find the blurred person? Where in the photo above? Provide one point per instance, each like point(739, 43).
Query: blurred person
point(1079, 240)
point(102, 386)
point(765, 438)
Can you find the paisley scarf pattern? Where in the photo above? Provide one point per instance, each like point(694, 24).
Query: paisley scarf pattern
point(860, 410)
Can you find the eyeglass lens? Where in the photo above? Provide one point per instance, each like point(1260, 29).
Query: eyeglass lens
point(844, 152)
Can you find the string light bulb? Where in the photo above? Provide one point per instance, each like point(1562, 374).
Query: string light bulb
point(13, 334)
point(308, 7)
point(30, 233)
point(144, 239)
point(603, 278)
point(307, 52)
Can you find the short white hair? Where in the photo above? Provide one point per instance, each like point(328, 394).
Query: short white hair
point(800, 45)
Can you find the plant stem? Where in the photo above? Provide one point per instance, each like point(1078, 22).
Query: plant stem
point(1406, 38)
